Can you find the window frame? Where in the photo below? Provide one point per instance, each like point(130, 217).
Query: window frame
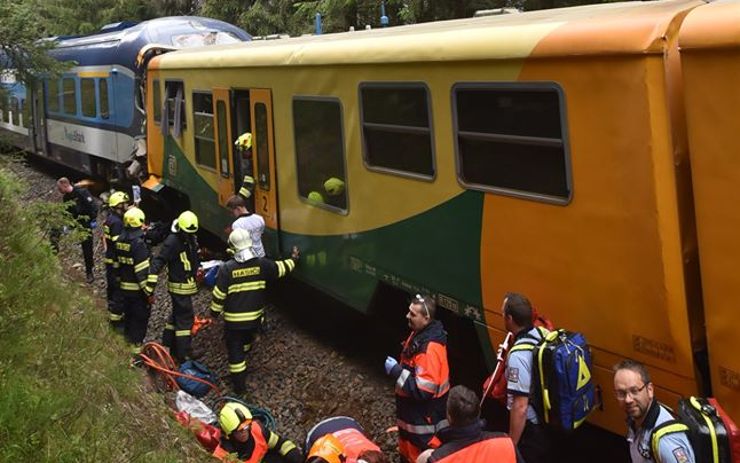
point(157, 102)
point(342, 130)
point(57, 109)
point(94, 96)
point(75, 94)
point(100, 84)
point(216, 160)
point(564, 133)
point(430, 117)
point(175, 126)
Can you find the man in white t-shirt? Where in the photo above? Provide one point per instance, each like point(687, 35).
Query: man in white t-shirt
point(249, 221)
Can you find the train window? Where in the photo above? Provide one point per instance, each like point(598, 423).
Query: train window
point(175, 101)
point(397, 128)
point(24, 113)
point(15, 111)
point(223, 139)
point(69, 96)
point(319, 148)
point(157, 101)
point(87, 97)
point(52, 92)
point(103, 92)
point(511, 139)
point(262, 145)
point(205, 144)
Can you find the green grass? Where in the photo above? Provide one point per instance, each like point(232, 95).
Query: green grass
point(67, 393)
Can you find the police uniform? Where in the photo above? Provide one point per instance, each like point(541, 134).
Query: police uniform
point(132, 254)
point(180, 254)
point(85, 211)
point(649, 445)
point(112, 229)
point(468, 444)
point(240, 295)
point(534, 443)
point(347, 431)
point(422, 383)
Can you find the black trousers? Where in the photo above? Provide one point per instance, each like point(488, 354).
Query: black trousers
point(115, 298)
point(87, 253)
point(136, 316)
point(535, 445)
point(176, 334)
point(238, 343)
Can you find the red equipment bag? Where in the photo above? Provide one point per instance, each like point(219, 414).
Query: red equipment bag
point(733, 432)
point(208, 435)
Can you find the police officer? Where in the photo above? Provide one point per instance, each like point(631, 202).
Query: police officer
point(341, 439)
point(112, 229)
point(132, 254)
point(179, 253)
point(652, 433)
point(531, 437)
point(240, 295)
point(84, 209)
point(249, 440)
point(422, 379)
point(464, 440)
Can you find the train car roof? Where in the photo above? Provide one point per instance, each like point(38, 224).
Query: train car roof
point(612, 28)
point(97, 48)
point(712, 26)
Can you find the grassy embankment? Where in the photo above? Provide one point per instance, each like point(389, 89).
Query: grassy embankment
point(67, 393)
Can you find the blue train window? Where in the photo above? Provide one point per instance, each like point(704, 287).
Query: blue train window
point(203, 131)
point(103, 92)
point(69, 96)
point(87, 97)
point(511, 139)
point(157, 101)
point(52, 88)
point(15, 110)
point(397, 128)
point(319, 149)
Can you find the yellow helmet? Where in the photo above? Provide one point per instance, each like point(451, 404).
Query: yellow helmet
point(232, 416)
point(240, 240)
point(117, 198)
point(329, 448)
point(188, 222)
point(244, 141)
point(315, 197)
point(134, 218)
point(334, 186)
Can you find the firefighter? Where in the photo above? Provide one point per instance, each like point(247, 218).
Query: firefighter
point(250, 440)
point(244, 145)
point(179, 253)
point(422, 379)
point(464, 440)
point(112, 229)
point(132, 254)
point(341, 439)
point(240, 295)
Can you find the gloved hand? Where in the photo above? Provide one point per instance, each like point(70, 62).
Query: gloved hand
point(390, 362)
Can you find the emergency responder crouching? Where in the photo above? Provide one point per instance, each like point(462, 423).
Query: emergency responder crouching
point(652, 434)
point(422, 379)
point(250, 440)
point(180, 254)
point(240, 295)
point(132, 254)
point(341, 439)
point(464, 440)
point(112, 229)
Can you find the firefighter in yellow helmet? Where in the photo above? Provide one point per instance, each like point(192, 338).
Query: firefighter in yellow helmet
point(249, 440)
point(112, 229)
point(239, 295)
point(133, 255)
point(341, 439)
point(244, 145)
point(179, 253)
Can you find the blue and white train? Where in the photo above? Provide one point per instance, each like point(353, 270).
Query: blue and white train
point(92, 118)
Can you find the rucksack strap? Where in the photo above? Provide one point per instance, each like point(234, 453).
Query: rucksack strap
point(663, 429)
point(710, 425)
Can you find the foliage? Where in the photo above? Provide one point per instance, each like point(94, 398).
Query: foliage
point(66, 391)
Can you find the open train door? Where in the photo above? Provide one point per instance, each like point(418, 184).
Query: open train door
point(38, 119)
point(224, 149)
point(263, 147)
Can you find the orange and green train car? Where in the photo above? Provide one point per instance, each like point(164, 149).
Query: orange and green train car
point(543, 152)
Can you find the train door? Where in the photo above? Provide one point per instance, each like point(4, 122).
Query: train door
point(38, 120)
point(222, 110)
point(263, 147)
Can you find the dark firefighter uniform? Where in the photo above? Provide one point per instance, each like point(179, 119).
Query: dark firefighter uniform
point(83, 208)
point(262, 445)
point(132, 254)
point(112, 229)
point(468, 444)
point(422, 384)
point(240, 295)
point(180, 254)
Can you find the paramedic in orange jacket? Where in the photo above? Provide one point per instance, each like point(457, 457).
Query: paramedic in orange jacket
point(341, 439)
point(249, 440)
point(422, 379)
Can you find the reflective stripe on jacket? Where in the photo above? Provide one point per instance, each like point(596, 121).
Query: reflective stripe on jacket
point(180, 254)
point(260, 442)
point(132, 254)
point(112, 229)
point(471, 444)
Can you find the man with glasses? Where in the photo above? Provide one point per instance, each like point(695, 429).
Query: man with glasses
point(650, 433)
point(422, 378)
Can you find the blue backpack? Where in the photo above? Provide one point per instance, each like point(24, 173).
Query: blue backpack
point(562, 388)
point(195, 388)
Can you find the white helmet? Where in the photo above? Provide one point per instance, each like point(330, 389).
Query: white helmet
point(240, 240)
